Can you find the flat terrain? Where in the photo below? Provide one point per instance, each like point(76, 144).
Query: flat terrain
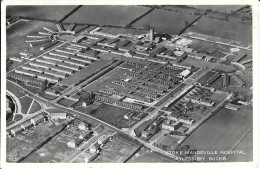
point(219, 8)
point(13, 89)
point(165, 21)
point(106, 15)
point(16, 36)
point(85, 73)
point(223, 131)
point(106, 79)
point(47, 12)
point(246, 145)
point(25, 103)
point(35, 107)
point(117, 150)
point(109, 113)
point(145, 156)
point(224, 29)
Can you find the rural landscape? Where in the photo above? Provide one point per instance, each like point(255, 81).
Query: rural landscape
point(129, 84)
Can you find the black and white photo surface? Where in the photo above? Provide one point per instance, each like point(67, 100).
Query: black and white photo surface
point(128, 83)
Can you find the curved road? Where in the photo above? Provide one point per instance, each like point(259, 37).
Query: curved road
point(17, 102)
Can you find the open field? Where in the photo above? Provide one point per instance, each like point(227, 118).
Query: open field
point(14, 89)
point(26, 142)
point(16, 36)
point(247, 146)
point(165, 21)
point(205, 64)
point(40, 12)
point(25, 103)
point(145, 156)
point(109, 114)
point(223, 131)
point(35, 107)
point(106, 15)
point(56, 149)
point(199, 44)
point(66, 102)
point(117, 150)
point(230, 30)
point(115, 31)
point(219, 8)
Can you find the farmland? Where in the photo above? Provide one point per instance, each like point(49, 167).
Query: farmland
point(219, 8)
point(145, 156)
point(223, 131)
point(117, 150)
point(40, 12)
point(106, 15)
point(224, 29)
point(165, 21)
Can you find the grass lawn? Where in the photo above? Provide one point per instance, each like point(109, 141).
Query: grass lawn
point(230, 30)
point(109, 113)
point(46, 12)
point(14, 89)
point(35, 107)
point(25, 103)
point(106, 15)
point(165, 21)
point(151, 157)
point(66, 102)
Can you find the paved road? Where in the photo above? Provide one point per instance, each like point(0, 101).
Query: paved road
point(63, 108)
point(17, 102)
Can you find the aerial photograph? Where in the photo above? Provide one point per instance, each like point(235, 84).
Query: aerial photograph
point(129, 83)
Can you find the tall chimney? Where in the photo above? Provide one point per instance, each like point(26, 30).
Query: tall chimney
point(151, 34)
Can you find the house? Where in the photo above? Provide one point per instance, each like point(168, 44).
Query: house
point(74, 143)
point(140, 116)
point(37, 119)
point(26, 125)
point(158, 121)
point(145, 134)
point(185, 73)
point(16, 130)
point(168, 125)
point(186, 120)
point(58, 115)
point(89, 157)
point(182, 129)
point(93, 148)
point(84, 135)
point(129, 115)
point(83, 126)
point(153, 129)
point(173, 116)
point(231, 106)
point(103, 139)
